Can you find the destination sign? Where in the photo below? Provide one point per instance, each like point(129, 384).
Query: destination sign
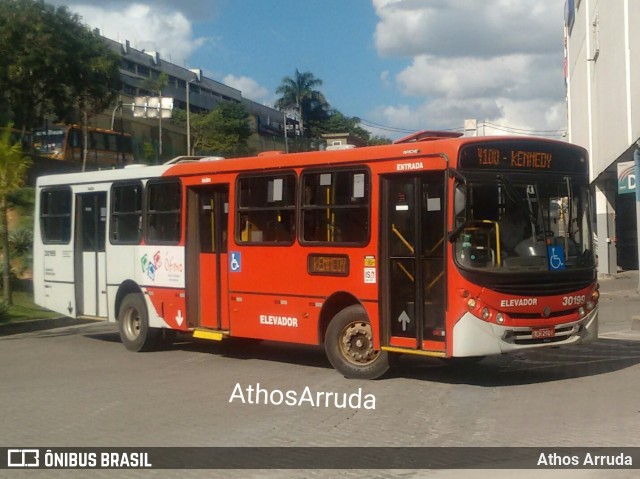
point(523, 155)
point(328, 264)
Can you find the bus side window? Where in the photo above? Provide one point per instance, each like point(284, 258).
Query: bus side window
point(335, 207)
point(164, 205)
point(266, 209)
point(126, 213)
point(55, 215)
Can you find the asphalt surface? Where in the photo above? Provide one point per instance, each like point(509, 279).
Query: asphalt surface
point(78, 386)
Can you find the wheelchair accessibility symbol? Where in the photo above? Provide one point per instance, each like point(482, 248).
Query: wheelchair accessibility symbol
point(235, 262)
point(556, 258)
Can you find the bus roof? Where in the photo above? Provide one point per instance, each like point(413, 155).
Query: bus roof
point(448, 144)
point(101, 176)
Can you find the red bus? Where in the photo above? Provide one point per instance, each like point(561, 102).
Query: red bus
point(436, 246)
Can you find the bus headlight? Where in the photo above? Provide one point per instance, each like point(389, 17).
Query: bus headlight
point(581, 311)
point(485, 313)
point(590, 305)
point(471, 302)
point(499, 318)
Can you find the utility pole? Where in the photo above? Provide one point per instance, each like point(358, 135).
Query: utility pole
point(189, 118)
point(286, 139)
point(160, 131)
point(636, 164)
point(198, 75)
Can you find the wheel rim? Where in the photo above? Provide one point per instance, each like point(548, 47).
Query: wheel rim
point(356, 344)
point(132, 323)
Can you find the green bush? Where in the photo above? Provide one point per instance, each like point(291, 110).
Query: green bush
point(4, 311)
point(21, 241)
point(12, 277)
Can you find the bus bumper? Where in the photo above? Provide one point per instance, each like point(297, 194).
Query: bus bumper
point(475, 337)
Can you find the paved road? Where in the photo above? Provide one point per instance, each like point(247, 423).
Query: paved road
point(78, 386)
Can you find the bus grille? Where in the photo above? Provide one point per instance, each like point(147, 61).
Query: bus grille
point(530, 288)
point(553, 314)
point(524, 338)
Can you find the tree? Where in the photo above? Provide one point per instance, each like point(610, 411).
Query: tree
point(379, 140)
point(13, 170)
point(50, 63)
point(96, 83)
point(298, 93)
point(224, 130)
point(230, 129)
point(339, 123)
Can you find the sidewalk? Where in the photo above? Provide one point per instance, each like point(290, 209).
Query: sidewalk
point(619, 303)
point(27, 326)
point(625, 282)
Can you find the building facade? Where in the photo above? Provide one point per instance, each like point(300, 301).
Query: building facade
point(602, 70)
point(139, 68)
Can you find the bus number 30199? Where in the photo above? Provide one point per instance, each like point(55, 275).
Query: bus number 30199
point(574, 300)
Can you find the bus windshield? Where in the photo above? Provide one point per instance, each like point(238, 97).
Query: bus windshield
point(49, 141)
point(512, 223)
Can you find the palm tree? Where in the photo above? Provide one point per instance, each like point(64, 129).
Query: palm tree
point(298, 93)
point(13, 169)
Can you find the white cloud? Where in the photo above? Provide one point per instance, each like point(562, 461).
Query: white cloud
point(384, 77)
point(499, 116)
point(197, 9)
point(441, 113)
point(159, 28)
point(463, 28)
point(496, 60)
point(248, 86)
point(515, 76)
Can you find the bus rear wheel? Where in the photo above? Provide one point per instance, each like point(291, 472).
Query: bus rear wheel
point(349, 345)
point(133, 324)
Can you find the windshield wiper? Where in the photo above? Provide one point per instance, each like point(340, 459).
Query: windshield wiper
point(453, 235)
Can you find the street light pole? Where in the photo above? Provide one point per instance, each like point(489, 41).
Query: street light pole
point(189, 120)
point(286, 140)
point(113, 115)
point(160, 130)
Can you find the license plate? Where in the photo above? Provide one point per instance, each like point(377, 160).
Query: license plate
point(542, 333)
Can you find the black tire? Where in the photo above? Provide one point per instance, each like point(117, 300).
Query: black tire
point(349, 345)
point(133, 324)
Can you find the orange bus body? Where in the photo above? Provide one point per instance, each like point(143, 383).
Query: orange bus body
point(370, 251)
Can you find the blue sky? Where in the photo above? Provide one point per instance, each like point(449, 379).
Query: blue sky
point(404, 64)
point(257, 40)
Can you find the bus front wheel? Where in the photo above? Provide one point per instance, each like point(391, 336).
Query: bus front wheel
point(349, 345)
point(133, 324)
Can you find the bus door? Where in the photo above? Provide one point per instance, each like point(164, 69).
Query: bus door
point(413, 248)
point(90, 259)
point(207, 232)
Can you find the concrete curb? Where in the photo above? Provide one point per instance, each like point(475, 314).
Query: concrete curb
point(28, 326)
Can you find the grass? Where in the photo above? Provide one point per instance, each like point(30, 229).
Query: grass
point(24, 309)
